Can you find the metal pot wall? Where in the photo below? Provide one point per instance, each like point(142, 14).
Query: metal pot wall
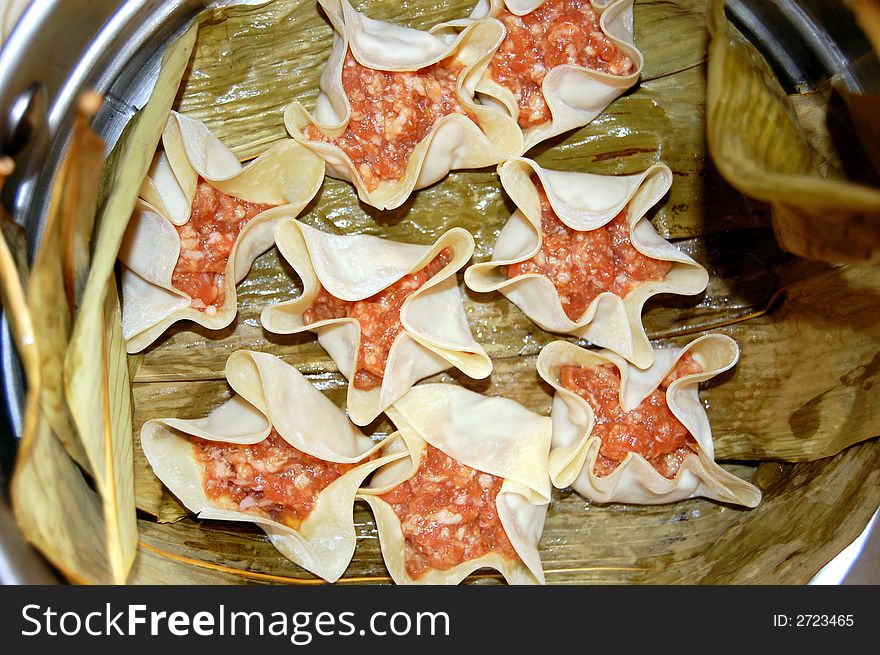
point(57, 49)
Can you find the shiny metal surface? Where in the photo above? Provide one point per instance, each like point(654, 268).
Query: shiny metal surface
point(58, 49)
point(807, 41)
point(25, 116)
point(839, 570)
point(67, 47)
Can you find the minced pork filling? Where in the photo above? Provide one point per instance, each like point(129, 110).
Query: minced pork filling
point(391, 113)
point(448, 515)
point(650, 429)
point(270, 478)
point(557, 32)
point(378, 317)
point(583, 264)
point(206, 240)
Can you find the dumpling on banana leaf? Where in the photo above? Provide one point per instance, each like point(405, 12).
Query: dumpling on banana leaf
point(397, 110)
point(201, 220)
point(279, 454)
point(580, 257)
point(472, 493)
point(623, 434)
point(562, 62)
point(388, 313)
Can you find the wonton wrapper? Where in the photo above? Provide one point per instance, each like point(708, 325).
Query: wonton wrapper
point(494, 435)
point(454, 142)
point(574, 452)
point(585, 201)
point(574, 94)
point(287, 175)
point(271, 394)
point(435, 331)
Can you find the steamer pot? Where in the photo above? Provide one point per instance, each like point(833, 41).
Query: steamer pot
point(59, 48)
point(56, 50)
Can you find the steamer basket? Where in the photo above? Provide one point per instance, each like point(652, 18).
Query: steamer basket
point(116, 48)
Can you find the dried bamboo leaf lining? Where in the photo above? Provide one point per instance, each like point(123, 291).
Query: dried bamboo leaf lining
point(622, 544)
point(761, 296)
point(675, 35)
point(789, 410)
point(95, 363)
point(60, 264)
point(54, 506)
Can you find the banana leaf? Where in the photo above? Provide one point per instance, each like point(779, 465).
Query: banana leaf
point(54, 505)
point(87, 532)
point(775, 420)
point(867, 14)
point(692, 542)
point(759, 146)
point(60, 263)
point(789, 411)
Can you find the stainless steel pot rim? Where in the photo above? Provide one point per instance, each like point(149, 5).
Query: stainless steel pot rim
point(120, 59)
